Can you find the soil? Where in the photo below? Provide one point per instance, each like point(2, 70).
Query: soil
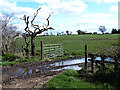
point(33, 80)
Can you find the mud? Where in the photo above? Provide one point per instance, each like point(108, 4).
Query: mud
point(36, 74)
point(32, 78)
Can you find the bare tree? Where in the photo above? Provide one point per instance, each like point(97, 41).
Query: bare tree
point(26, 47)
point(8, 32)
point(37, 29)
point(67, 32)
point(80, 32)
point(102, 29)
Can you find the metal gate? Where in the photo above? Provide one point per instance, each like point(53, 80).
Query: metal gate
point(52, 50)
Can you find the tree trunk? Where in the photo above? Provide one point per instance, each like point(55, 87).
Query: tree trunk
point(33, 45)
point(27, 49)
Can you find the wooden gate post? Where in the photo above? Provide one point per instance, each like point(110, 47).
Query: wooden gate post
point(86, 56)
point(42, 50)
point(92, 61)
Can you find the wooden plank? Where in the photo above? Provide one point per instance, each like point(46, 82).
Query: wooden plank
point(86, 56)
point(48, 50)
point(51, 47)
point(48, 47)
point(51, 44)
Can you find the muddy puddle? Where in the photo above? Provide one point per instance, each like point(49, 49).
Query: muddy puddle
point(69, 62)
point(107, 59)
point(62, 65)
point(75, 67)
point(22, 71)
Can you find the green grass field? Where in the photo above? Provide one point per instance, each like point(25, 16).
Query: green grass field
point(71, 79)
point(75, 44)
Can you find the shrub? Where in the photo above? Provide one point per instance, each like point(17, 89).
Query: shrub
point(82, 72)
point(106, 33)
point(105, 77)
point(71, 72)
point(94, 32)
point(89, 33)
point(9, 57)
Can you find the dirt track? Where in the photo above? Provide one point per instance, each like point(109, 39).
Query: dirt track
point(33, 80)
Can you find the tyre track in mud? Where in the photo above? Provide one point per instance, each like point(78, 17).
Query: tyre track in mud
point(33, 80)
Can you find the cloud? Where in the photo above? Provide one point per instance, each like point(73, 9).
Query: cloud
point(54, 1)
point(110, 1)
point(89, 22)
point(95, 19)
point(114, 8)
point(107, 1)
point(63, 6)
point(7, 7)
point(92, 21)
point(19, 12)
point(50, 3)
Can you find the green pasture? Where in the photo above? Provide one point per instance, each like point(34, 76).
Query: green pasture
point(75, 44)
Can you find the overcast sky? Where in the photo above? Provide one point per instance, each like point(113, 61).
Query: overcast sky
point(86, 15)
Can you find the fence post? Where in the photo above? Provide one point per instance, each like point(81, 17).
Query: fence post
point(42, 50)
point(92, 67)
point(86, 56)
point(62, 50)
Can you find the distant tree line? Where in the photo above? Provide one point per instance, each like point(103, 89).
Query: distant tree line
point(101, 29)
point(81, 32)
point(58, 33)
point(115, 31)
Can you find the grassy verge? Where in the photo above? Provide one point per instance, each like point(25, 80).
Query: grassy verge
point(20, 60)
point(71, 79)
point(29, 59)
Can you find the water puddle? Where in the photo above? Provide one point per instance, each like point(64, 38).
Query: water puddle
point(22, 71)
point(75, 67)
point(66, 65)
point(107, 59)
point(69, 62)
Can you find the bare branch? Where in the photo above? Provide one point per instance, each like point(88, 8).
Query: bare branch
point(48, 20)
point(26, 20)
point(37, 27)
point(33, 25)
